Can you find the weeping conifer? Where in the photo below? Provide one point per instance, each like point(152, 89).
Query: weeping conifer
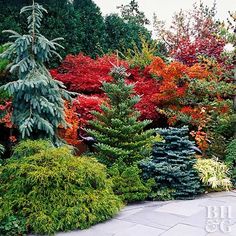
point(38, 99)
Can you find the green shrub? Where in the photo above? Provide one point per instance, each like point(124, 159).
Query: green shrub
point(127, 183)
point(29, 147)
point(213, 174)
point(12, 226)
point(55, 191)
point(171, 165)
point(163, 194)
point(231, 158)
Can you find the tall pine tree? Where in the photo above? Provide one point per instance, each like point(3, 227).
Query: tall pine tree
point(120, 136)
point(171, 164)
point(38, 105)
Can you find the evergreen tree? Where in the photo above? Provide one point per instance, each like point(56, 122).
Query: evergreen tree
point(93, 38)
point(131, 12)
point(61, 21)
point(38, 105)
point(171, 164)
point(123, 35)
point(119, 135)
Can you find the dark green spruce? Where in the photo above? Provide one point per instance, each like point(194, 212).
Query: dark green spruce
point(119, 134)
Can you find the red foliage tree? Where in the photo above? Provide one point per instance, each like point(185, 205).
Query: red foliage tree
point(85, 75)
point(189, 51)
point(84, 104)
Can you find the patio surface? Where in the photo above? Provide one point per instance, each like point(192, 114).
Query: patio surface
point(213, 214)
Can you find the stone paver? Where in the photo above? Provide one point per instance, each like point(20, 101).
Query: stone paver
point(172, 218)
point(184, 230)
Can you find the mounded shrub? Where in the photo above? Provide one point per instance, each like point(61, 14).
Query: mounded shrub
point(127, 183)
point(55, 191)
point(30, 147)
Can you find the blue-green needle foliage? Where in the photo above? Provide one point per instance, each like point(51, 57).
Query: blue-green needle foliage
point(38, 99)
point(172, 165)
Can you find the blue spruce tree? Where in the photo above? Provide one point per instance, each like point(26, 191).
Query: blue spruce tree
point(171, 164)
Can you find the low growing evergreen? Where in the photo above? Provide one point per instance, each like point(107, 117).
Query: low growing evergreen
point(127, 183)
point(171, 165)
point(119, 134)
point(38, 99)
point(51, 190)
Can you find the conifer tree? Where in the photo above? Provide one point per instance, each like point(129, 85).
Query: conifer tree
point(131, 12)
point(125, 35)
point(38, 105)
point(93, 27)
point(171, 164)
point(119, 134)
point(61, 21)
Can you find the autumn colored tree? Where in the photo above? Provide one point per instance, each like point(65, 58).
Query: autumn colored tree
point(193, 95)
point(85, 75)
point(193, 34)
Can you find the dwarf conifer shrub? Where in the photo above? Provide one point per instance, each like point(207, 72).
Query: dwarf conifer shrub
point(127, 183)
point(55, 191)
point(30, 147)
point(171, 165)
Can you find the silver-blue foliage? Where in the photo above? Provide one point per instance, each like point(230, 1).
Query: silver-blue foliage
point(38, 99)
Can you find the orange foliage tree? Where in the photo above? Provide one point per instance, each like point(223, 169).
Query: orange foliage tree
point(192, 94)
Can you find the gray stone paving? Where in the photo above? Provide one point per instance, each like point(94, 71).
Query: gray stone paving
point(213, 214)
